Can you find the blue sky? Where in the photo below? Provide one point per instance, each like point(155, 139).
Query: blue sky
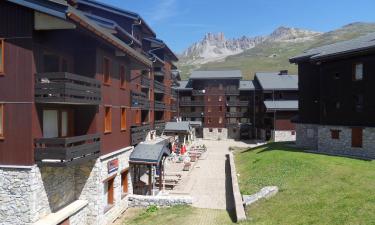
point(182, 22)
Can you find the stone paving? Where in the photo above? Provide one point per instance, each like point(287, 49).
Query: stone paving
point(207, 183)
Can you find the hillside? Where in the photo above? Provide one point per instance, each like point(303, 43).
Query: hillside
point(272, 54)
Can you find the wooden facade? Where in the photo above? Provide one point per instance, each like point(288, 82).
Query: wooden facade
point(61, 75)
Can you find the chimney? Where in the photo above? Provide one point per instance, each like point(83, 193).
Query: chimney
point(283, 72)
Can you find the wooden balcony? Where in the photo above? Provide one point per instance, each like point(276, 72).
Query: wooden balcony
point(159, 87)
point(232, 91)
point(237, 103)
point(158, 105)
point(145, 82)
point(198, 92)
point(59, 152)
point(159, 125)
point(66, 88)
point(159, 71)
point(138, 134)
point(192, 114)
point(236, 114)
point(192, 103)
point(140, 100)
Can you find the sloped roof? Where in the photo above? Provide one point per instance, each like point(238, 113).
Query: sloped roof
point(195, 123)
point(177, 126)
point(274, 81)
point(281, 105)
point(184, 85)
point(224, 74)
point(51, 7)
point(148, 153)
point(339, 48)
point(246, 85)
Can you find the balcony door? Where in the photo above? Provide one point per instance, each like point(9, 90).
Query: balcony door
point(57, 123)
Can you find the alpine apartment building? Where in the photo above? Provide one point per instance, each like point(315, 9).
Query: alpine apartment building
point(230, 107)
point(81, 83)
point(336, 98)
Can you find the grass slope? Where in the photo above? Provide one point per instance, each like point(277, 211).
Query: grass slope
point(260, 58)
point(314, 189)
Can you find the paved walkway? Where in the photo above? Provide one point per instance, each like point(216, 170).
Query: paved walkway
point(208, 183)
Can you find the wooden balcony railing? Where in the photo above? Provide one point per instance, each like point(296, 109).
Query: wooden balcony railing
point(145, 82)
point(192, 103)
point(158, 105)
point(192, 114)
point(158, 86)
point(66, 151)
point(139, 134)
point(237, 103)
point(140, 100)
point(159, 71)
point(236, 114)
point(66, 88)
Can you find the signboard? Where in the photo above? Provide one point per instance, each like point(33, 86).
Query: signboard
point(112, 166)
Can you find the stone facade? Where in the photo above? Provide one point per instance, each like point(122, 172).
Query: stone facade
point(215, 134)
point(28, 194)
point(234, 133)
point(307, 136)
point(343, 145)
point(284, 135)
point(162, 201)
point(317, 138)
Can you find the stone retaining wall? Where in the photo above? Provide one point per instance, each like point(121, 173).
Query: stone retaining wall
point(162, 201)
point(238, 203)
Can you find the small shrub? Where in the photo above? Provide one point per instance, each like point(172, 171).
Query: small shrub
point(152, 209)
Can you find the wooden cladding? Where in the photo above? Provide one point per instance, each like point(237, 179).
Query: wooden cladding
point(122, 77)
point(1, 121)
point(357, 136)
point(1, 56)
point(123, 119)
point(106, 71)
point(108, 120)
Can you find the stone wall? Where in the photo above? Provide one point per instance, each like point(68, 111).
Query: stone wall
point(284, 135)
point(215, 134)
point(307, 136)
point(234, 133)
point(162, 201)
point(343, 145)
point(79, 218)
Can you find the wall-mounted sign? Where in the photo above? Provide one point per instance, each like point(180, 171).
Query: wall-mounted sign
point(112, 166)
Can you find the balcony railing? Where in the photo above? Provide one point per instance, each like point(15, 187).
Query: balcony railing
point(192, 114)
point(159, 125)
point(159, 105)
point(198, 92)
point(66, 88)
point(145, 82)
point(173, 108)
point(66, 151)
point(191, 103)
point(173, 93)
point(158, 86)
point(139, 100)
point(237, 103)
point(232, 91)
point(236, 114)
point(139, 134)
point(159, 71)
point(232, 125)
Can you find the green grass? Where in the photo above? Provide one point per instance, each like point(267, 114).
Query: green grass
point(314, 189)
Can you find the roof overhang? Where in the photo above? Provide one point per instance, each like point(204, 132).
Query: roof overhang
point(55, 8)
point(148, 154)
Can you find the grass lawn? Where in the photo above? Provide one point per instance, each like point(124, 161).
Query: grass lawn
point(314, 189)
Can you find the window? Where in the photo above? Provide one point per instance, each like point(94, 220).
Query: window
point(219, 130)
point(1, 56)
point(124, 182)
point(108, 120)
point(138, 116)
point(107, 71)
point(210, 130)
point(221, 120)
point(209, 120)
point(122, 77)
point(220, 98)
point(293, 133)
point(220, 86)
point(220, 108)
point(335, 134)
point(358, 103)
point(357, 133)
point(110, 192)
point(358, 71)
point(1, 121)
point(57, 123)
point(123, 119)
point(209, 99)
point(209, 109)
point(336, 76)
point(337, 105)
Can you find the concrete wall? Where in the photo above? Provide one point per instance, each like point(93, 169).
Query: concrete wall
point(215, 134)
point(284, 135)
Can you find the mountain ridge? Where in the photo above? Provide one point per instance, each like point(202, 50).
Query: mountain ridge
point(262, 53)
